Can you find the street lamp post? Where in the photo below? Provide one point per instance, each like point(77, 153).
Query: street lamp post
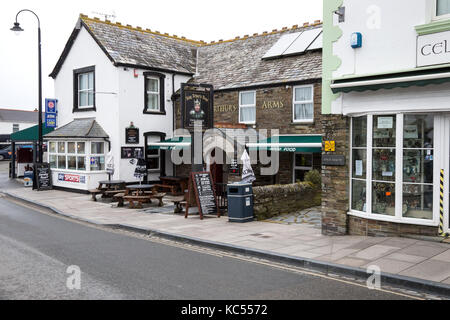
point(18, 29)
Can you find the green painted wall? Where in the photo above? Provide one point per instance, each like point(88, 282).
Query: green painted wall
point(330, 62)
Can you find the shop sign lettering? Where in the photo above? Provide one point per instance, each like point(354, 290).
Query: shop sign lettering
point(225, 108)
point(73, 178)
point(433, 49)
point(273, 105)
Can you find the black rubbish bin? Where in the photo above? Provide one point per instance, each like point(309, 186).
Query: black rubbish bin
point(240, 203)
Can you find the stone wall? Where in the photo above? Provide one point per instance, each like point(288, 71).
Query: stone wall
point(335, 179)
point(271, 201)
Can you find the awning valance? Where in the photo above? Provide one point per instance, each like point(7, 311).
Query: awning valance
point(175, 143)
point(290, 143)
point(30, 134)
point(416, 77)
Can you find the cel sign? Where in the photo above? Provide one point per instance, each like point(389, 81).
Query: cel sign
point(433, 49)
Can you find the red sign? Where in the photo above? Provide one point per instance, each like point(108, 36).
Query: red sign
point(71, 178)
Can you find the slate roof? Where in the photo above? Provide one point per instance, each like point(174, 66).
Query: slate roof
point(19, 116)
point(79, 128)
point(225, 64)
point(239, 63)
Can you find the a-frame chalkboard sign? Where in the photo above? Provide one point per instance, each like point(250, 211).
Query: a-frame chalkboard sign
point(42, 176)
point(202, 188)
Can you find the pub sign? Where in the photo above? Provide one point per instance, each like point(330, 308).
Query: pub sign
point(197, 105)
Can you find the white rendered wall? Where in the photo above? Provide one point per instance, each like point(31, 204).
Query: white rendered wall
point(7, 127)
point(388, 45)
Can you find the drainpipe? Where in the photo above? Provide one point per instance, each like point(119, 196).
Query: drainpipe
point(174, 118)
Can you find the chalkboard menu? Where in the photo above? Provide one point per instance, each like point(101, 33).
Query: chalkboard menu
point(202, 185)
point(43, 176)
point(131, 135)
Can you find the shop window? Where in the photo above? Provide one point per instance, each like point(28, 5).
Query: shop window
point(392, 171)
point(154, 93)
point(67, 155)
point(418, 136)
point(247, 107)
point(303, 104)
point(303, 163)
point(84, 89)
point(442, 8)
point(383, 164)
point(97, 158)
point(359, 164)
point(15, 128)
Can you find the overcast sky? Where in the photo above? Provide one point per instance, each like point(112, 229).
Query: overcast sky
point(195, 19)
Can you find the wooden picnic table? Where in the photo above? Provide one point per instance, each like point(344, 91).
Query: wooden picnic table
point(139, 194)
point(176, 185)
point(107, 188)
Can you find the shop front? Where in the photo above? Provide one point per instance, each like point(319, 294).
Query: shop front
point(76, 154)
point(398, 152)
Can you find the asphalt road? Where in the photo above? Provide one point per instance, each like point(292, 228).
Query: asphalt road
point(36, 249)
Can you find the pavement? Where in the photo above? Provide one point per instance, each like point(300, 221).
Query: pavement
point(409, 262)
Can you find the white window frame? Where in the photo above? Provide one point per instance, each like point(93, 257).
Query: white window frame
point(246, 106)
point(86, 155)
point(88, 90)
point(398, 218)
point(158, 93)
point(300, 167)
point(91, 155)
point(294, 102)
point(435, 16)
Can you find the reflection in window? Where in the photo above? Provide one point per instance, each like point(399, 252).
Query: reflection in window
point(418, 156)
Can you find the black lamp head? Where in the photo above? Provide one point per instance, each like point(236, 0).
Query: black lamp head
point(16, 27)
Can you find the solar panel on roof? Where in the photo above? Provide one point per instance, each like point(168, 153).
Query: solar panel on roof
point(281, 45)
point(296, 43)
point(302, 43)
point(317, 44)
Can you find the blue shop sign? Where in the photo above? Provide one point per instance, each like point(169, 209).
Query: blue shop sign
point(50, 120)
point(50, 106)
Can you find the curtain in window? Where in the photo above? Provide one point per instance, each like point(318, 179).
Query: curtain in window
point(303, 94)
point(248, 114)
point(304, 111)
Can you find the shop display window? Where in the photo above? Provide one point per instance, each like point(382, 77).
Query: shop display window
point(359, 164)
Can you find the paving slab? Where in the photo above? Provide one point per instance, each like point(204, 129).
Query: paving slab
point(433, 270)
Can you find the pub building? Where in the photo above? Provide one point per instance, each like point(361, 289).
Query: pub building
point(118, 91)
point(386, 104)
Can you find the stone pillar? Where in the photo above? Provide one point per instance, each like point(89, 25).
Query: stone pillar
point(335, 179)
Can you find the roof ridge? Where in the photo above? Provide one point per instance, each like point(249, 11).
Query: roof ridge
point(200, 43)
point(129, 27)
point(18, 110)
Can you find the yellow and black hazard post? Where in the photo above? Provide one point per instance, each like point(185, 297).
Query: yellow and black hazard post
point(441, 208)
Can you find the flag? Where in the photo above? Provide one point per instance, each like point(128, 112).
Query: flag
point(248, 176)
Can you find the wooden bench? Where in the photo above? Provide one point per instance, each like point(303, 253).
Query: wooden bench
point(172, 188)
point(94, 193)
point(113, 192)
point(158, 196)
point(139, 199)
point(119, 198)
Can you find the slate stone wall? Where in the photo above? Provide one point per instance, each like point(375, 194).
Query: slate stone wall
point(272, 201)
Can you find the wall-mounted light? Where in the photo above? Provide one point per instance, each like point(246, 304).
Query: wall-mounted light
point(341, 13)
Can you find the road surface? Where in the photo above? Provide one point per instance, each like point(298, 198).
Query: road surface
point(36, 248)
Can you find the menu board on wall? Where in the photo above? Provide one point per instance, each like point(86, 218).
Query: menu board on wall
point(43, 176)
point(131, 135)
point(202, 185)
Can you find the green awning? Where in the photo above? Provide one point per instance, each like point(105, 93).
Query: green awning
point(176, 143)
point(418, 77)
point(30, 134)
point(290, 143)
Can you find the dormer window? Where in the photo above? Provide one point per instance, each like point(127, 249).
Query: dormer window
point(84, 89)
